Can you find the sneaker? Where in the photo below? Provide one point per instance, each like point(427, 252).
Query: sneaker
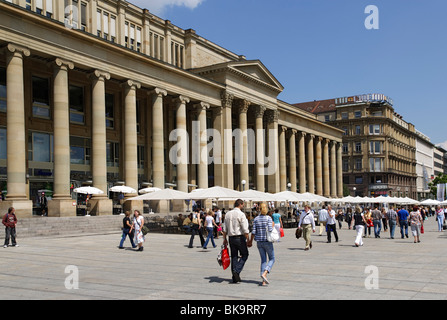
point(16, 245)
point(5, 246)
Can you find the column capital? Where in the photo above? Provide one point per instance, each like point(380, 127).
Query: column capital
point(201, 106)
point(16, 48)
point(158, 92)
point(302, 134)
point(227, 99)
point(62, 64)
point(283, 128)
point(132, 84)
point(272, 116)
point(100, 75)
point(181, 99)
point(243, 105)
point(259, 111)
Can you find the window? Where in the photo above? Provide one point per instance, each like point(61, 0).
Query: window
point(110, 103)
point(358, 180)
point(3, 143)
point(327, 118)
point(345, 165)
point(344, 116)
point(374, 129)
point(358, 164)
point(84, 16)
point(80, 150)
point(40, 147)
point(345, 148)
point(41, 98)
point(345, 131)
point(2, 90)
point(76, 100)
point(112, 150)
point(140, 152)
point(358, 147)
point(358, 130)
point(357, 114)
point(375, 165)
point(375, 147)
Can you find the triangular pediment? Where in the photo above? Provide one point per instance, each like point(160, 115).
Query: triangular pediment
point(256, 70)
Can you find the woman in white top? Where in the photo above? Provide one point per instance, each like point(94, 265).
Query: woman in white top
point(138, 223)
point(359, 225)
point(210, 224)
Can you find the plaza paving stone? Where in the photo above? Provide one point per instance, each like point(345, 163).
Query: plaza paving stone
point(167, 269)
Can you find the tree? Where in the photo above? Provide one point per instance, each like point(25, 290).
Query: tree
point(440, 179)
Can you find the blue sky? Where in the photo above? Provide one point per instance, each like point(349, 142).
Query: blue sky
point(320, 49)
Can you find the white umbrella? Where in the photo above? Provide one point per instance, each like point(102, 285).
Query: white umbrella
point(148, 190)
point(164, 194)
point(216, 192)
point(255, 195)
point(123, 189)
point(88, 190)
point(289, 196)
point(430, 202)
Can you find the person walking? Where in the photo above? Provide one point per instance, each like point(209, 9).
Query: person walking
point(322, 219)
point(359, 222)
point(10, 222)
point(440, 217)
point(261, 225)
point(127, 231)
point(339, 217)
point(277, 221)
point(307, 222)
point(331, 226)
point(376, 216)
point(369, 223)
point(138, 223)
point(403, 215)
point(416, 222)
point(210, 224)
point(391, 217)
point(218, 220)
point(235, 226)
point(384, 220)
point(348, 217)
point(196, 228)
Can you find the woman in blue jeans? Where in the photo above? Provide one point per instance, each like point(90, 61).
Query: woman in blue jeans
point(210, 224)
point(261, 225)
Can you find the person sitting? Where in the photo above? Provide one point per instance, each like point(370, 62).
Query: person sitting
point(187, 224)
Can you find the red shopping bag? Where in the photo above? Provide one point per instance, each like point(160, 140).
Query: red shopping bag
point(224, 258)
point(281, 231)
point(422, 228)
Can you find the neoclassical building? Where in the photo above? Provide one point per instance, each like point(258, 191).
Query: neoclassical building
point(103, 92)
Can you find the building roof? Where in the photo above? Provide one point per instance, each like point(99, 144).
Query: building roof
point(317, 107)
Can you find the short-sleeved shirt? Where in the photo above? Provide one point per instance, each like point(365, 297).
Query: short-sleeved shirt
point(276, 217)
point(403, 215)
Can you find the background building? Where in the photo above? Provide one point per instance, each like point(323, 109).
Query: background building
point(91, 91)
point(424, 165)
point(379, 147)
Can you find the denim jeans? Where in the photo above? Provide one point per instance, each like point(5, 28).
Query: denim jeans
point(392, 228)
point(10, 233)
point(210, 236)
point(123, 238)
point(377, 227)
point(403, 224)
point(440, 222)
point(238, 244)
point(266, 249)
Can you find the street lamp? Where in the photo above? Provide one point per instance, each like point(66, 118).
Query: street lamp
point(289, 186)
point(243, 184)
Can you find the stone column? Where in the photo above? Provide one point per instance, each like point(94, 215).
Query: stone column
point(326, 172)
point(260, 152)
point(100, 204)
point(273, 151)
point(339, 170)
point(158, 159)
point(310, 164)
point(243, 106)
point(203, 147)
point(333, 170)
point(217, 146)
point(227, 144)
point(292, 160)
point(282, 159)
point(62, 204)
point(182, 144)
point(16, 133)
point(302, 161)
point(318, 167)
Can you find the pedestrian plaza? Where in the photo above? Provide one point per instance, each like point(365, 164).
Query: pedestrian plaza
point(92, 267)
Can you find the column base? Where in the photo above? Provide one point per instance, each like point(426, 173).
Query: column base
point(62, 208)
point(100, 206)
point(24, 208)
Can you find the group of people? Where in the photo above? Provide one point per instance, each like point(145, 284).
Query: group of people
point(133, 230)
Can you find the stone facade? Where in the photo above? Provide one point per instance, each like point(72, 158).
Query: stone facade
point(106, 92)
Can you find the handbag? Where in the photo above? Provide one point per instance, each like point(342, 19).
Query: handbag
point(281, 232)
point(223, 259)
point(299, 233)
point(272, 236)
point(422, 228)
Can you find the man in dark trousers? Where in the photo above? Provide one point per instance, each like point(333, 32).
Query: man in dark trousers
point(43, 203)
point(10, 221)
point(236, 228)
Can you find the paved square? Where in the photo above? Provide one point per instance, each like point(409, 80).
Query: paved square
point(167, 269)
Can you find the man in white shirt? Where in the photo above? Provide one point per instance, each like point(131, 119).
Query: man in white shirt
point(307, 222)
point(331, 227)
point(236, 227)
point(322, 219)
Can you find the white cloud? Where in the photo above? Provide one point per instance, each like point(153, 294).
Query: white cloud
point(158, 6)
